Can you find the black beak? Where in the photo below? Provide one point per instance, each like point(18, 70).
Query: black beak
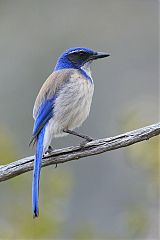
point(102, 55)
point(97, 55)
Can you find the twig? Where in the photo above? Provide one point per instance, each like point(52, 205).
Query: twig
point(74, 153)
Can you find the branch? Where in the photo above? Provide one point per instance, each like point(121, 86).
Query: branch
point(74, 153)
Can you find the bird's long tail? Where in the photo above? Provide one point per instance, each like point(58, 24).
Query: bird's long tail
point(36, 172)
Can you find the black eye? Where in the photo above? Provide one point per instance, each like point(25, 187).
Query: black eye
point(82, 53)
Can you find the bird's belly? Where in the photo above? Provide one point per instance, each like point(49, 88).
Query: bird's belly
point(72, 106)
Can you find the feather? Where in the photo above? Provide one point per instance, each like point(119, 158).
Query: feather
point(36, 172)
point(44, 104)
point(51, 87)
point(44, 115)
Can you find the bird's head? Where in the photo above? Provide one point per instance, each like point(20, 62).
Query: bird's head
point(77, 58)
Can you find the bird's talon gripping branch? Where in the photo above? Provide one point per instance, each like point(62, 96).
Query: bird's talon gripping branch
point(83, 143)
point(49, 150)
point(89, 139)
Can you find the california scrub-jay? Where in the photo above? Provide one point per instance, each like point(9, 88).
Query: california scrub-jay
point(62, 105)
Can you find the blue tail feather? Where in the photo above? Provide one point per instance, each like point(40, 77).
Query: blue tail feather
point(36, 172)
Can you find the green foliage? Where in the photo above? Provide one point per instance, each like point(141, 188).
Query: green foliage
point(136, 222)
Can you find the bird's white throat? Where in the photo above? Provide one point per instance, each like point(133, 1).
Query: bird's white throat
point(87, 68)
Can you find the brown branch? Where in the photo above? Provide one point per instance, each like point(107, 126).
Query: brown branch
point(74, 153)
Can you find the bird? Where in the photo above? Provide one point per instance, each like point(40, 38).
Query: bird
point(62, 104)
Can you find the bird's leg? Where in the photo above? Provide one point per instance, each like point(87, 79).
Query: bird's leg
point(49, 150)
point(87, 138)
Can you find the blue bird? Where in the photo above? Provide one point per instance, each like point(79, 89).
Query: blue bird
point(63, 104)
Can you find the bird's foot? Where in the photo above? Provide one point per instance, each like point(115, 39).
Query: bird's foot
point(49, 150)
point(87, 139)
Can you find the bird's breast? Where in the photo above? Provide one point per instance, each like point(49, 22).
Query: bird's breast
point(73, 103)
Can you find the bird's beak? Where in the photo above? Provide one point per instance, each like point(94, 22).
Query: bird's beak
point(97, 55)
point(101, 55)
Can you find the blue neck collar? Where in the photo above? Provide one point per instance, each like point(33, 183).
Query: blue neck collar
point(64, 63)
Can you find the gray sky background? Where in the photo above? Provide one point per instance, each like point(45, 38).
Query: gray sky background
point(32, 35)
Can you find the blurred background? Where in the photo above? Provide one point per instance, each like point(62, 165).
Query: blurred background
point(109, 196)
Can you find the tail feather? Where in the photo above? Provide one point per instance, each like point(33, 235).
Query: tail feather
point(36, 172)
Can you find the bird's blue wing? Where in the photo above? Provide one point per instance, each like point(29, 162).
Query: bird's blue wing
point(45, 113)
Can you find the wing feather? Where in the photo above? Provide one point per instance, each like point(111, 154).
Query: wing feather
point(44, 104)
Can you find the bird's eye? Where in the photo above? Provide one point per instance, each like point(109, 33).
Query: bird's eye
point(81, 53)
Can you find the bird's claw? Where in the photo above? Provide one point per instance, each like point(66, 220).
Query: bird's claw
point(89, 139)
point(49, 150)
point(83, 143)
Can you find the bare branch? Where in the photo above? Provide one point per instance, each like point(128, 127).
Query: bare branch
point(74, 153)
